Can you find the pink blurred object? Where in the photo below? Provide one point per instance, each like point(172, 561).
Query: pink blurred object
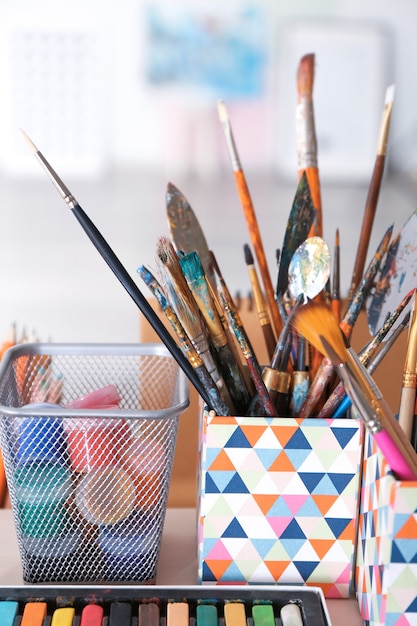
point(104, 398)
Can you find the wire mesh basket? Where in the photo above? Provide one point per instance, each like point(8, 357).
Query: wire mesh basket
point(89, 486)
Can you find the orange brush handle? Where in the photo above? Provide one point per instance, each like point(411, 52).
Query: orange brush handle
point(256, 239)
point(313, 178)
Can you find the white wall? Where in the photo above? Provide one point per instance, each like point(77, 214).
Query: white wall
point(106, 98)
point(82, 96)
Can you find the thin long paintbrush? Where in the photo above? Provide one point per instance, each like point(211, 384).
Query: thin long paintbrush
point(317, 323)
point(335, 289)
point(345, 404)
point(306, 136)
point(222, 286)
point(194, 274)
point(242, 339)
point(260, 302)
point(265, 401)
point(193, 356)
point(182, 301)
point(120, 272)
point(325, 370)
point(373, 192)
point(365, 355)
point(250, 217)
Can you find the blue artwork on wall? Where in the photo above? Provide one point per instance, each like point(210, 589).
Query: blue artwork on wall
point(223, 51)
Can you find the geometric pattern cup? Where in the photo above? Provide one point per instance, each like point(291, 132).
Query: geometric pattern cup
point(278, 501)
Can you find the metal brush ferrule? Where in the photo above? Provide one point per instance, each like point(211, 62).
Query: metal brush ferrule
point(306, 134)
point(276, 380)
point(59, 185)
point(231, 146)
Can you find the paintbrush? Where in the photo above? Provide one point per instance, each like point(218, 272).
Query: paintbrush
point(300, 382)
point(222, 286)
point(345, 404)
point(373, 192)
point(276, 376)
point(260, 303)
point(409, 381)
point(366, 355)
point(306, 136)
point(182, 301)
point(194, 274)
point(186, 231)
point(318, 325)
point(217, 402)
point(120, 272)
point(242, 339)
point(335, 288)
point(250, 217)
point(267, 407)
point(325, 370)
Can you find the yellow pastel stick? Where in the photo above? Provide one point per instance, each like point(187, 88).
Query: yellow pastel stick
point(63, 616)
point(234, 614)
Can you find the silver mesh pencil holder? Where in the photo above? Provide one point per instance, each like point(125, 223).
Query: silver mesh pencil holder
point(89, 487)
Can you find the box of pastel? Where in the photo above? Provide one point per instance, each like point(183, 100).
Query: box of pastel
point(88, 435)
point(164, 606)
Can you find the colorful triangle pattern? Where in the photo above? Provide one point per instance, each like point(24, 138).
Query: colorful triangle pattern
point(278, 501)
point(386, 564)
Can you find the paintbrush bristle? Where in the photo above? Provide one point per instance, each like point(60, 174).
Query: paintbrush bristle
point(222, 111)
point(305, 75)
point(29, 141)
point(191, 266)
point(389, 94)
point(168, 262)
point(174, 283)
point(314, 321)
point(248, 254)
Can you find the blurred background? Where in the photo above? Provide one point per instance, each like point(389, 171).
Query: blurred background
point(121, 99)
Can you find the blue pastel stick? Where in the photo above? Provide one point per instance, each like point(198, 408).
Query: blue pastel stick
point(8, 612)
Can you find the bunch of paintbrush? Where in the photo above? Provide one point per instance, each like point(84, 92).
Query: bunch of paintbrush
point(208, 339)
point(201, 329)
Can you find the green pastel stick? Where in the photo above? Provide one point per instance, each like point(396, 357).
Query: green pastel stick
point(263, 615)
point(206, 615)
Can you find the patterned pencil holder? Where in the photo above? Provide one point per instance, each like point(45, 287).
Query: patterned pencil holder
point(278, 501)
point(386, 566)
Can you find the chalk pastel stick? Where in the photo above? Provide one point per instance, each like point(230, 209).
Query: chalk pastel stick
point(92, 615)
point(263, 615)
point(206, 615)
point(234, 614)
point(8, 612)
point(178, 614)
point(33, 614)
point(148, 614)
point(64, 616)
point(120, 614)
point(291, 615)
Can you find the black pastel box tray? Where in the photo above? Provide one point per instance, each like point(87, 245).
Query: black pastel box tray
point(310, 600)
